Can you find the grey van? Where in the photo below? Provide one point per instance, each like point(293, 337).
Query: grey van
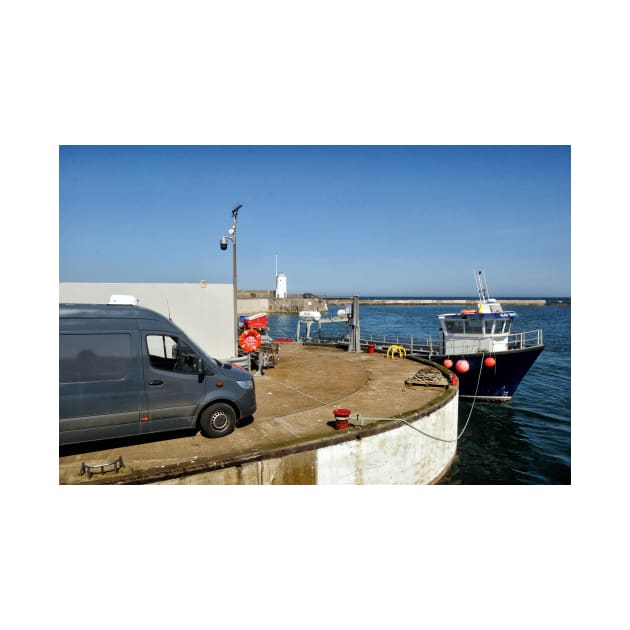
point(126, 371)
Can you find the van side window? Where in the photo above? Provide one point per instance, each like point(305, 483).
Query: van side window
point(105, 357)
point(171, 354)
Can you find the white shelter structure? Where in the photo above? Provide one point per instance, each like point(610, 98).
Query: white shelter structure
point(205, 312)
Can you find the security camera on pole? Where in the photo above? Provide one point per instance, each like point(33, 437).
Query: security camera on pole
point(223, 245)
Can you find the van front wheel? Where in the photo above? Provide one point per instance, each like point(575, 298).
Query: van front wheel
point(217, 420)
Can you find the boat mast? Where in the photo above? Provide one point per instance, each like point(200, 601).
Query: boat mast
point(482, 287)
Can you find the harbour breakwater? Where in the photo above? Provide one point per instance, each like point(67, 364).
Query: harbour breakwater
point(434, 302)
point(250, 302)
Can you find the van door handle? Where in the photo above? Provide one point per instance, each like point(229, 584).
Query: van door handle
point(156, 382)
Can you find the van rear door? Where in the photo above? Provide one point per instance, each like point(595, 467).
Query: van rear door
point(173, 387)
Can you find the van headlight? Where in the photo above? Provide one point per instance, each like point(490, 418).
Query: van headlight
point(246, 384)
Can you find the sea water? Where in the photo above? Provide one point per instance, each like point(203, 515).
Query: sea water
point(524, 441)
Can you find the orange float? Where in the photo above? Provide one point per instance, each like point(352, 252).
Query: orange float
point(462, 366)
point(250, 340)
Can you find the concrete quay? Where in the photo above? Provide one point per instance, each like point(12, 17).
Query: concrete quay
point(293, 439)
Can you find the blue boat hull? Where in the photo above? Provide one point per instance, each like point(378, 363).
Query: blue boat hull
point(498, 382)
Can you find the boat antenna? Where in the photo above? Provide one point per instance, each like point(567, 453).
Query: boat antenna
point(482, 287)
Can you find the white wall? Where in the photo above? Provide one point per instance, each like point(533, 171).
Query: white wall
point(400, 456)
point(204, 312)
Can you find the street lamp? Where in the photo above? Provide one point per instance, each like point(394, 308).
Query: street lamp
point(223, 245)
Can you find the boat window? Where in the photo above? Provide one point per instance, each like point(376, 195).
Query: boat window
point(488, 326)
point(508, 326)
point(474, 326)
point(454, 325)
point(498, 328)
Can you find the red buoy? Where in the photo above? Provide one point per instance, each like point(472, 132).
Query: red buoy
point(462, 366)
point(490, 361)
point(448, 363)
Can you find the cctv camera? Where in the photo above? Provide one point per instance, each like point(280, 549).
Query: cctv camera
point(223, 243)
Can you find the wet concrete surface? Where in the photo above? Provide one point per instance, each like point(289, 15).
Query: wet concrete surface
point(295, 403)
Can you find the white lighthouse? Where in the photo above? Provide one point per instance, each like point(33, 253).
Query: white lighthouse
point(281, 285)
point(281, 282)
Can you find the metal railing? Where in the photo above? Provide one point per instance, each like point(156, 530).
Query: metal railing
point(427, 347)
point(528, 339)
point(381, 342)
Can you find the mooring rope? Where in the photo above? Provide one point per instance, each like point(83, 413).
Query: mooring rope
point(483, 354)
point(434, 437)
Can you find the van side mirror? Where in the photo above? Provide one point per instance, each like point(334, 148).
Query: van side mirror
point(201, 370)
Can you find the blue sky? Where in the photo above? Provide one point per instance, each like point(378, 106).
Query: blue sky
point(360, 220)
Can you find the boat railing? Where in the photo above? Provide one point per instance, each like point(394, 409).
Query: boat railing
point(528, 339)
point(426, 347)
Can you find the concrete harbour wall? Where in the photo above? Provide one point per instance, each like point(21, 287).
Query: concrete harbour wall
point(391, 453)
point(401, 456)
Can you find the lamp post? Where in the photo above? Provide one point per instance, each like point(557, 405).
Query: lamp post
point(223, 244)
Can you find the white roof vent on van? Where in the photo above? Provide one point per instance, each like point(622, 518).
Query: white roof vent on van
point(129, 300)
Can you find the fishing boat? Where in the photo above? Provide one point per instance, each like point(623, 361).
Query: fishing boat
point(481, 347)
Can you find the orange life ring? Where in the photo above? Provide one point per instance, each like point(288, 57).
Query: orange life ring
point(250, 340)
point(468, 311)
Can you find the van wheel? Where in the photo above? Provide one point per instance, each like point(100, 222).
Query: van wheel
point(217, 420)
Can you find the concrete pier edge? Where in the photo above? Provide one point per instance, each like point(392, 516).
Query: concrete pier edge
point(288, 447)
